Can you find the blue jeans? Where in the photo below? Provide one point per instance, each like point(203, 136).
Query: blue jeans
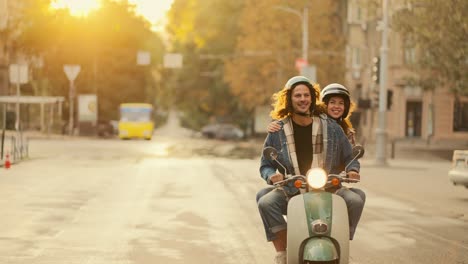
point(273, 204)
point(355, 200)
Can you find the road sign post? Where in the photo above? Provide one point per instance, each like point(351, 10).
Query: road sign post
point(72, 72)
point(18, 75)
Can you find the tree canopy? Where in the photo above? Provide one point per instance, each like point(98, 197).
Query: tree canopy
point(270, 41)
point(439, 29)
point(104, 43)
point(237, 53)
point(204, 32)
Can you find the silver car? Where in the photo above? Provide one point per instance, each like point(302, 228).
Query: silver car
point(458, 174)
point(222, 131)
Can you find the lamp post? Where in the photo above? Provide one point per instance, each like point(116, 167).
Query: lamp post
point(304, 16)
point(381, 134)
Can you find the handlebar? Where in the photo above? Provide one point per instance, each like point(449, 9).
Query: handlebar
point(342, 177)
point(290, 178)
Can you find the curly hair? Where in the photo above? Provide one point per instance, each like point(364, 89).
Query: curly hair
point(282, 106)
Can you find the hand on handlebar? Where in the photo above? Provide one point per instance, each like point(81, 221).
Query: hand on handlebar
point(353, 175)
point(276, 177)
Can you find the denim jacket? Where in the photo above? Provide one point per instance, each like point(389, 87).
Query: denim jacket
point(339, 153)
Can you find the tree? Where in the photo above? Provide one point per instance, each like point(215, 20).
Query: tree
point(270, 41)
point(439, 30)
point(104, 43)
point(204, 32)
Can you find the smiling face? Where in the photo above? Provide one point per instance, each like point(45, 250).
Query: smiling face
point(336, 107)
point(301, 99)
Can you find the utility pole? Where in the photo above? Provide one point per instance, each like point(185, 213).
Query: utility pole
point(71, 71)
point(381, 134)
point(305, 34)
point(305, 27)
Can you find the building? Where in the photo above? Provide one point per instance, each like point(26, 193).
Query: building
point(416, 113)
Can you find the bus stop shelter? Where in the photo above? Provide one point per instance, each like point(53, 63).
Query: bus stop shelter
point(51, 101)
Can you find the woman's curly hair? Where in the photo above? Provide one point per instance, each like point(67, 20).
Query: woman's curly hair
point(282, 106)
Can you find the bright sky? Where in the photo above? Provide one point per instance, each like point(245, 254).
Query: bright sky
point(153, 10)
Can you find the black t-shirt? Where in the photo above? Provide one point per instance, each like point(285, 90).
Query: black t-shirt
point(303, 142)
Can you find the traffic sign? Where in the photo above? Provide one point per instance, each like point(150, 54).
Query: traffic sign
point(300, 63)
point(71, 71)
point(143, 58)
point(173, 60)
point(309, 71)
point(18, 73)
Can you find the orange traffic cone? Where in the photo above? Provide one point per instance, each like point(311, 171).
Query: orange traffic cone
point(7, 161)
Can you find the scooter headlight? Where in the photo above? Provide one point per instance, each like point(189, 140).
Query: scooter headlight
point(317, 178)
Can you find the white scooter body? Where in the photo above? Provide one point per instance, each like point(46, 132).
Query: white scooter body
point(298, 231)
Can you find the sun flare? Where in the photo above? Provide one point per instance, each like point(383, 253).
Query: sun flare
point(153, 10)
point(76, 7)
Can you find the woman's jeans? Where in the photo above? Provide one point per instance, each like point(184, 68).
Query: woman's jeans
point(273, 204)
point(355, 200)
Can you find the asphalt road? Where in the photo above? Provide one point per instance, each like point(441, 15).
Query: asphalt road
point(177, 199)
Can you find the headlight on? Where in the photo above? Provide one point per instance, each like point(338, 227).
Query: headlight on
point(123, 132)
point(317, 178)
point(146, 133)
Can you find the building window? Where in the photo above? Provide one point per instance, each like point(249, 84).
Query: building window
point(355, 13)
point(356, 57)
point(460, 116)
point(410, 55)
point(409, 51)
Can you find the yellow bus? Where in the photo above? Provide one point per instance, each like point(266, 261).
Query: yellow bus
point(136, 121)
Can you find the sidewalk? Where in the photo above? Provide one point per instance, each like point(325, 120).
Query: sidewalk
point(22, 146)
point(412, 149)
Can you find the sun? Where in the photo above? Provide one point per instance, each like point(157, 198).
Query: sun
point(76, 7)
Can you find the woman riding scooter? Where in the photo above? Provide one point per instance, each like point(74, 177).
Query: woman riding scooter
point(336, 103)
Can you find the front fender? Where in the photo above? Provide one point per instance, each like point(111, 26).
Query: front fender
point(320, 249)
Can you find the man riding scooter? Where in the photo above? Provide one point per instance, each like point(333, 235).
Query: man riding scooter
point(306, 141)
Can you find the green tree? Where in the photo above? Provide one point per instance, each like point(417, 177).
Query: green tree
point(439, 30)
point(205, 33)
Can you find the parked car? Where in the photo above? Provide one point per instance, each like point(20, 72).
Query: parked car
point(458, 174)
point(105, 128)
point(222, 131)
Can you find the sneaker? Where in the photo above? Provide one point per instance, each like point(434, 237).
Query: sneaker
point(280, 257)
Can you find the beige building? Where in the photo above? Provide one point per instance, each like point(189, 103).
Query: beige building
point(435, 116)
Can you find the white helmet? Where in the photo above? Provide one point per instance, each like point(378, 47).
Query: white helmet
point(336, 89)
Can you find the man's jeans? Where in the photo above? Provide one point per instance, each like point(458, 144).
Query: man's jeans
point(272, 205)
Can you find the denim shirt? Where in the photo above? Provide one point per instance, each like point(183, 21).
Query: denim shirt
point(339, 153)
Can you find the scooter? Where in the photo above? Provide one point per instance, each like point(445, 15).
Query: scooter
point(318, 226)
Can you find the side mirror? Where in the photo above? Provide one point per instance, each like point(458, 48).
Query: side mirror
point(270, 153)
point(358, 151)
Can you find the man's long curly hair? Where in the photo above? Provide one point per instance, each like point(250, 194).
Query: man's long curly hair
point(282, 105)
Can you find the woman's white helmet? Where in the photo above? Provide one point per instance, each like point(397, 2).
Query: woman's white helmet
point(336, 89)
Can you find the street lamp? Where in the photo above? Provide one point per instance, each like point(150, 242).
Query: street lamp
point(381, 134)
point(304, 16)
